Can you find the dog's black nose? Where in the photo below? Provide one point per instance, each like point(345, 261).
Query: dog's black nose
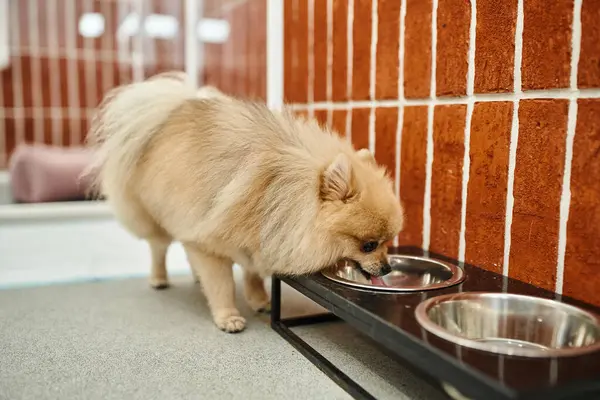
point(385, 269)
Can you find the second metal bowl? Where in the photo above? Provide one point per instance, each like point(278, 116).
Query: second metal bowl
point(511, 324)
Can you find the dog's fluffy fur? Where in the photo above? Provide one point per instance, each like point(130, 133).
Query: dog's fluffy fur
point(235, 182)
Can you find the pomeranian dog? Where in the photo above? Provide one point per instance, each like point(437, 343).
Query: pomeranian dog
point(236, 182)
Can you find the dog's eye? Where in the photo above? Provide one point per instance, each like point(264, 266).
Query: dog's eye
point(369, 247)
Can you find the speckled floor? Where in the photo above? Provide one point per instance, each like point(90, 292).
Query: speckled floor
point(77, 321)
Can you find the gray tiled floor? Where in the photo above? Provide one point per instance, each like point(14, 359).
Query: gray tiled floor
point(119, 339)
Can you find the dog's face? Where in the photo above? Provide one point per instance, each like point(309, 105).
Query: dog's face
point(360, 210)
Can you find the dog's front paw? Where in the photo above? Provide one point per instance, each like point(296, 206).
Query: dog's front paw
point(231, 324)
point(229, 320)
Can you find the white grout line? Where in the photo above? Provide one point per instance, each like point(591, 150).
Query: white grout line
point(349, 124)
point(90, 65)
point(124, 50)
point(514, 140)
point(575, 43)
point(294, 43)
point(239, 60)
point(462, 246)
point(275, 53)
point(107, 68)
point(138, 45)
point(311, 56)
point(518, 61)
point(400, 96)
point(430, 115)
point(178, 50)
point(428, 176)
point(563, 94)
point(229, 57)
point(17, 76)
point(373, 58)
point(432, 87)
point(54, 65)
point(258, 60)
point(472, 48)
point(349, 67)
point(122, 45)
point(565, 198)
point(329, 58)
point(372, 130)
point(466, 170)
point(193, 65)
point(73, 81)
point(373, 74)
point(36, 72)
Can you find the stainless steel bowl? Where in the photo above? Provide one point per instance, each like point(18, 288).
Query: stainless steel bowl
point(409, 274)
point(511, 324)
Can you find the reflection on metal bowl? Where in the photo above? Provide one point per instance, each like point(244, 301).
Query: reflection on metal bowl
point(511, 324)
point(409, 274)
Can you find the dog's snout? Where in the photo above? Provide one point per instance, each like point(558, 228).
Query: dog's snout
point(385, 269)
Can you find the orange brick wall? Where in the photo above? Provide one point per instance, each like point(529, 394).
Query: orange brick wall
point(487, 115)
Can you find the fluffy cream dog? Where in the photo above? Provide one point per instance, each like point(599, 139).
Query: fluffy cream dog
point(237, 183)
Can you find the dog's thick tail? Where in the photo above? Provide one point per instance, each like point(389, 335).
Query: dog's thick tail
point(125, 121)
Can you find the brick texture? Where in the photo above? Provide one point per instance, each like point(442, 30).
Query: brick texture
point(417, 52)
point(388, 41)
point(582, 258)
point(537, 191)
point(360, 128)
point(412, 174)
point(453, 21)
point(495, 46)
point(486, 195)
point(296, 56)
point(361, 55)
point(321, 116)
point(386, 126)
point(320, 50)
point(588, 74)
point(339, 69)
point(546, 44)
point(338, 121)
point(446, 180)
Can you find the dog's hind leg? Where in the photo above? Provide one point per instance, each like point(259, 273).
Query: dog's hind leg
point(158, 273)
point(216, 278)
point(131, 214)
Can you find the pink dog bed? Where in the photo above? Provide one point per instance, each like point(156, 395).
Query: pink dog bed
point(41, 173)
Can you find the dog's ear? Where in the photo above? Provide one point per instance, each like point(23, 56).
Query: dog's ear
point(337, 181)
point(365, 155)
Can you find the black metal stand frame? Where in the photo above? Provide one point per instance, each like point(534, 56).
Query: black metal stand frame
point(282, 327)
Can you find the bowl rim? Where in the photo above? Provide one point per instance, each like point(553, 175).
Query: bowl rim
point(422, 309)
point(458, 276)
